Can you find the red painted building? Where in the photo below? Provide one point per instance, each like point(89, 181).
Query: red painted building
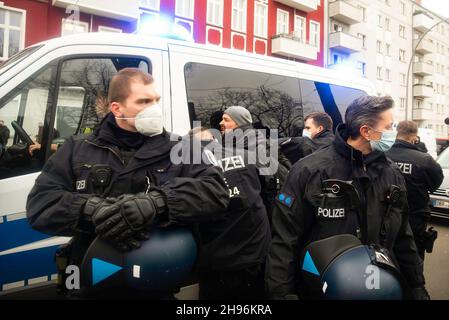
point(292, 29)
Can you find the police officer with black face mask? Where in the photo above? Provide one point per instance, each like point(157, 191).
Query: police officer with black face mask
point(349, 187)
point(120, 180)
point(422, 175)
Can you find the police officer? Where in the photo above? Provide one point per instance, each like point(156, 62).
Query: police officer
point(312, 207)
point(422, 175)
point(234, 247)
point(317, 134)
point(120, 180)
point(237, 117)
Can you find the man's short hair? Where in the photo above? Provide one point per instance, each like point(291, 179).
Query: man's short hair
point(365, 111)
point(120, 86)
point(407, 129)
point(320, 119)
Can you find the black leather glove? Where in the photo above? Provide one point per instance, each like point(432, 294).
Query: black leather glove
point(420, 293)
point(126, 219)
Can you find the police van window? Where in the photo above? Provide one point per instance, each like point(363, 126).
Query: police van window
point(83, 89)
point(343, 96)
point(22, 113)
point(273, 100)
point(329, 98)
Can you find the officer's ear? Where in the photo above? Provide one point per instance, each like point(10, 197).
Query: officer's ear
point(115, 109)
point(320, 129)
point(365, 132)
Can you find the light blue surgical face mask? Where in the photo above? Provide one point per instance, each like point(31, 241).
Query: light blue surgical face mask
point(306, 133)
point(385, 142)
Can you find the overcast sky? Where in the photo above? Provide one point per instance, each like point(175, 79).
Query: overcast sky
point(438, 6)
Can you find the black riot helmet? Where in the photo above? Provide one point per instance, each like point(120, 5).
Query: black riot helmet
point(341, 268)
point(162, 263)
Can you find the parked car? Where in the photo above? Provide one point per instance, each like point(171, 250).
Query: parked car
point(440, 198)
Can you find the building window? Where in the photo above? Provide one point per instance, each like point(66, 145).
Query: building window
point(402, 103)
point(379, 20)
point(337, 58)
point(363, 12)
point(401, 55)
point(361, 66)
point(379, 46)
point(403, 79)
point(150, 4)
point(12, 32)
point(300, 28)
point(379, 73)
point(185, 8)
point(239, 15)
point(337, 27)
point(401, 31)
point(387, 2)
point(109, 29)
point(363, 37)
point(70, 26)
point(387, 49)
point(402, 7)
point(387, 24)
point(260, 20)
point(215, 12)
point(314, 35)
point(282, 21)
point(387, 74)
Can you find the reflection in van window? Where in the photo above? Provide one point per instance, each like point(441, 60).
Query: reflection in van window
point(273, 100)
point(83, 90)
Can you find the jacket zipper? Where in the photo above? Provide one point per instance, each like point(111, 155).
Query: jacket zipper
point(107, 148)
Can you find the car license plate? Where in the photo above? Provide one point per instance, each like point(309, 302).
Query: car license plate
point(441, 204)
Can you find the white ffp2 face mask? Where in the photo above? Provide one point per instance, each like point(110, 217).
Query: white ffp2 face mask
point(149, 121)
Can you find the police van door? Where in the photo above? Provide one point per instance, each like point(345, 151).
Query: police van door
point(61, 94)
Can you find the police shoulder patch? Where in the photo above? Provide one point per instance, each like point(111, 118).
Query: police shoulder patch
point(285, 199)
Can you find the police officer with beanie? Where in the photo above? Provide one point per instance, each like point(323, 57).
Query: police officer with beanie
point(349, 187)
point(422, 175)
point(237, 117)
point(234, 247)
point(118, 181)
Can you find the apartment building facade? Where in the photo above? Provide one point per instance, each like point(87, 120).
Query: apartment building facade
point(290, 29)
point(377, 40)
point(430, 70)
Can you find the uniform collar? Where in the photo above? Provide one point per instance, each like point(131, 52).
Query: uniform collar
point(404, 144)
point(324, 134)
point(347, 151)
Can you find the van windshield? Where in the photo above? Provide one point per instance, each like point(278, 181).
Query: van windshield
point(17, 57)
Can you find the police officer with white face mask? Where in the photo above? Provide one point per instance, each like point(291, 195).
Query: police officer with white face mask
point(118, 181)
point(349, 187)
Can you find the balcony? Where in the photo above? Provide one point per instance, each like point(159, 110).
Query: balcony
point(290, 45)
point(344, 42)
point(424, 47)
point(422, 91)
point(127, 10)
point(422, 22)
point(423, 114)
point(303, 5)
point(345, 12)
point(422, 69)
